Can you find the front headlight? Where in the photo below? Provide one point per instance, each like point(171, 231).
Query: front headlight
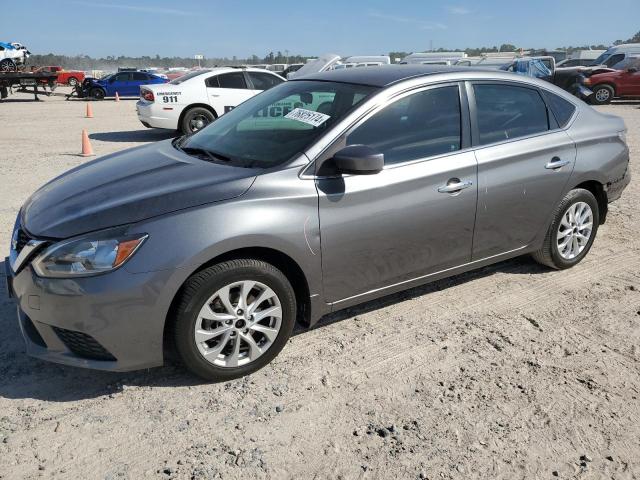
point(86, 256)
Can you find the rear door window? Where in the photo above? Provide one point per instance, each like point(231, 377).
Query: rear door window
point(232, 80)
point(505, 112)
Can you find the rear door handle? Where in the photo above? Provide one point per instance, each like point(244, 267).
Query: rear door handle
point(454, 185)
point(556, 163)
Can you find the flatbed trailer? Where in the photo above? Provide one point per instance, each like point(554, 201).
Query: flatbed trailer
point(27, 79)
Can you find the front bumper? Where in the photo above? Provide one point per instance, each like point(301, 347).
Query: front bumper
point(110, 322)
point(148, 115)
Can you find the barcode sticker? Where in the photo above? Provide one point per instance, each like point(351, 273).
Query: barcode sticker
point(307, 116)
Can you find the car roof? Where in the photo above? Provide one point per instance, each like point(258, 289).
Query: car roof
point(385, 75)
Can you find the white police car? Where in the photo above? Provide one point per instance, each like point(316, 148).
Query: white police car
point(194, 100)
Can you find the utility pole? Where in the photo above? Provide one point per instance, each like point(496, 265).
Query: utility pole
point(286, 52)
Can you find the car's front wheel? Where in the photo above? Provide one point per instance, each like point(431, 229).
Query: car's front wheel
point(572, 231)
point(196, 119)
point(602, 94)
point(233, 318)
point(73, 81)
point(97, 93)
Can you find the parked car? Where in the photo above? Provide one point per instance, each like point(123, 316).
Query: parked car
point(571, 80)
point(193, 101)
point(125, 84)
point(67, 77)
point(216, 244)
point(277, 67)
point(321, 64)
point(616, 83)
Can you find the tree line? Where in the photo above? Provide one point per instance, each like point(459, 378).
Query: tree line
point(85, 62)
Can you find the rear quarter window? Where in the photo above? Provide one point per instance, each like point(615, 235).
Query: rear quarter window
point(561, 109)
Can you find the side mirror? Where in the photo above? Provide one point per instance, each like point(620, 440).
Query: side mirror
point(358, 160)
point(632, 70)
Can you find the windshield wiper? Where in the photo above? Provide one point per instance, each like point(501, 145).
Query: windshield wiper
point(203, 151)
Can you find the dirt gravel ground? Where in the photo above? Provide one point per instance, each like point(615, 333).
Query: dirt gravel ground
point(512, 371)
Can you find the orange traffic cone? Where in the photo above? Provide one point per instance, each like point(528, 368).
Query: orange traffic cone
point(117, 97)
point(89, 111)
point(87, 151)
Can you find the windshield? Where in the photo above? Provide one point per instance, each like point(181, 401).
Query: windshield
point(278, 124)
point(183, 78)
point(601, 59)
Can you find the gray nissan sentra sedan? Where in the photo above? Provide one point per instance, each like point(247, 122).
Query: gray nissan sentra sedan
point(321, 193)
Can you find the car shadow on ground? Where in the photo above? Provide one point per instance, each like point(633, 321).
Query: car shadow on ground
point(23, 377)
point(150, 135)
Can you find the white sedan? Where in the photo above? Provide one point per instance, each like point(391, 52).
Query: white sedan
point(192, 101)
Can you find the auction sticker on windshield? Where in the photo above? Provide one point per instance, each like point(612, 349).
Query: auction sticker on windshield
point(307, 116)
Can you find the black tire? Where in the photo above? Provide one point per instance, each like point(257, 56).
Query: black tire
point(549, 254)
point(602, 94)
point(193, 116)
point(201, 286)
point(73, 81)
point(7, 65)
point(97, 93)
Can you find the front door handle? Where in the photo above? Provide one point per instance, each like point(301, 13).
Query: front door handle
point(454, 185)
point(556, 163)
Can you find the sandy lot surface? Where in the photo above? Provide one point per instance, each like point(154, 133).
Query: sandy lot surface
point(512, 371)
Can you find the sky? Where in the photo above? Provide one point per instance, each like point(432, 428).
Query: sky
point(219, 28)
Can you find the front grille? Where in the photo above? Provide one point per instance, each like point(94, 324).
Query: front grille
point(83, 345)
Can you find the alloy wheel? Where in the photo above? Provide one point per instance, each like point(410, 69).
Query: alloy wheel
point(238, 324)
point(574, 231)
point(602, 95)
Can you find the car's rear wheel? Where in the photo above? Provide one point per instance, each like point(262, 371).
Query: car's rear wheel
point(196, 119)
point(233, 318)
point(97, 93)
point(572, 231)
point(602, 94)
point(73, 81)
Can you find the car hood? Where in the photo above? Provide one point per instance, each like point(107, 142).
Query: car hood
point(127, 187)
